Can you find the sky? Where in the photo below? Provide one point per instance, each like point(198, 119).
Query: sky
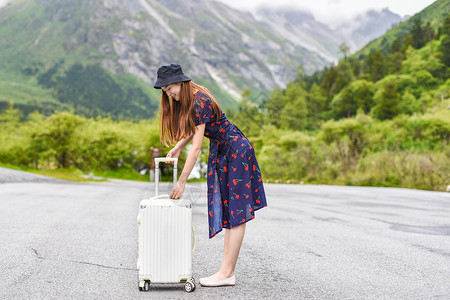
point(334, 11)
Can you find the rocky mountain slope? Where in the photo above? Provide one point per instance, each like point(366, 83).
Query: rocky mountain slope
point(218, 46)
point(304, 30)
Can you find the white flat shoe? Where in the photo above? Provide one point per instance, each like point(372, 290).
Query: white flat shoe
point(201, 280)
point(229, 281)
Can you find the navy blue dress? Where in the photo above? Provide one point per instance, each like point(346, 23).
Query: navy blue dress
point(235, 185)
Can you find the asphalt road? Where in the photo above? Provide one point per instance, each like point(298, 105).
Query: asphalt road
point(63, 240)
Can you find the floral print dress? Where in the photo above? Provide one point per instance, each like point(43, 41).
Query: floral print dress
point(235, 186)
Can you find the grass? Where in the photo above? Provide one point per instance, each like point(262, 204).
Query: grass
point(70, 174)
point(74, 174)
point(122, 173)
point(66, 174)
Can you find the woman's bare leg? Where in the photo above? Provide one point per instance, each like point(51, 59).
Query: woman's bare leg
point(231, 246)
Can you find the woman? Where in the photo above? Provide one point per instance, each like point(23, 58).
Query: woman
point(235, 187)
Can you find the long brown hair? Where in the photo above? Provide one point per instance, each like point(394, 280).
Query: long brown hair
point(177, 119)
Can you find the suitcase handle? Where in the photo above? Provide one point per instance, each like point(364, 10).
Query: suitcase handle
point(175, 170)
point(164, 159)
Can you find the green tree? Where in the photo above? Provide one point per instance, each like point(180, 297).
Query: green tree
point(349, 135)
point(444, 28)
point(409, 104)
point(249, 118)
point(59, 136)
point(10, 135)
point(395, 62)
point(274, 106)
point(317, 106)
point(396, 45)
point(10, 117)
point(408, 41)
point(375, 65)
point(387, 101)
point(357, 69)
point(336, 78)
point(445, 49)
point(293, 115)
point(344, 49)
point(357, 95)
point(418, 34)
point(428, 33)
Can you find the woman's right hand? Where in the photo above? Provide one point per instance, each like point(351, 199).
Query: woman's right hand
point(175, 152)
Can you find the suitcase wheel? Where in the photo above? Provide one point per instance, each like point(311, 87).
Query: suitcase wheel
point(189, 286)
point(145, 287)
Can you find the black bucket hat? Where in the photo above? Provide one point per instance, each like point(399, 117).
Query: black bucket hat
point(170, 74)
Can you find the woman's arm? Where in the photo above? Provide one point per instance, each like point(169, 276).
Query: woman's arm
point(197, 142)
point(183, 142)
point(176, 151)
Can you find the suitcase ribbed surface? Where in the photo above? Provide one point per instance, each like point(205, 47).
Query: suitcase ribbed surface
point(165, 240)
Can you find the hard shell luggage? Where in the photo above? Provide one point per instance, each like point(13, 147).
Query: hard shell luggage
point(166, 238)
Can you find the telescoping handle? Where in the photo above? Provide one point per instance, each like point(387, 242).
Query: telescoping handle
point(175, 170)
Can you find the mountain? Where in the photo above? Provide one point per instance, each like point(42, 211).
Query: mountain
point(101, 57)
point(434, 13)
point(303, 29)
point(366, 27)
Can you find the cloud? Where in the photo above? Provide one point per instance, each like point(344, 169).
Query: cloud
point(4, 2)
point(336, 11)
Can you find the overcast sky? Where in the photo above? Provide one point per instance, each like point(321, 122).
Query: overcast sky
point(331, 11)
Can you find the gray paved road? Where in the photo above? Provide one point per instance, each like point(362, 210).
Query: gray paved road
point(62, 240)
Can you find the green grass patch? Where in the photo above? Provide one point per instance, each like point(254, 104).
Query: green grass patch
point(70, 174)
point(126, 173)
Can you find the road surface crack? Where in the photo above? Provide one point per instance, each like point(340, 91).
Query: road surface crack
point(311, 252)
point(79, 262)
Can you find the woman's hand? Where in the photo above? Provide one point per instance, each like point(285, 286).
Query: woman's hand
point(177, 190)
point(175, 152)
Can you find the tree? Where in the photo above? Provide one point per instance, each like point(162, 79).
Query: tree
point(274, 106)
point(350, 137)
point(344, 49)
point(317, 106)
point(395, 62)
point(59, 136)
point(445, 49)
point(445, 28)
point(357, 69)
point(11, 116)
point(300, 73)
point(249, 117)
point(409, 104)
point(336, 78)
point(396, 45)
point(293, 115)
point(428, 33)
point(388, 101)
point(418, 34)
point(357, 95)
point(406, 43)
point(375, 65)
point(343, 104)
point(330, 77)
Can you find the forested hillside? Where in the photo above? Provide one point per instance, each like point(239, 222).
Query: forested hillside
point(408, 78)
point(376, 119)
point(433, 16)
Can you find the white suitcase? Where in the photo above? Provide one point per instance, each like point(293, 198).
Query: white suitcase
point(165, 238)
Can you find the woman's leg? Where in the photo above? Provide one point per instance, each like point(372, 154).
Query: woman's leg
point(231, 246)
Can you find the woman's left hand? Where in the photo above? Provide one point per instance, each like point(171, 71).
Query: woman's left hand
point(177, 190)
